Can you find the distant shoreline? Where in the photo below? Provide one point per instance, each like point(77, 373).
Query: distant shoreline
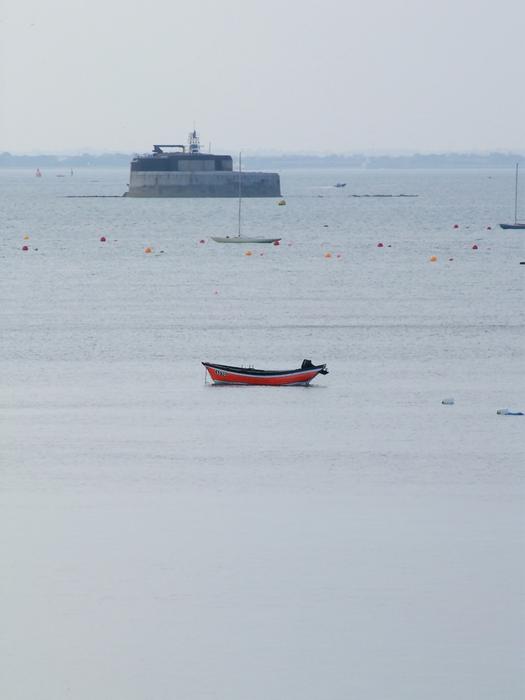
point(265, 162)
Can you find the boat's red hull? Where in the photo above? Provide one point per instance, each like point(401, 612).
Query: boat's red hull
point(237, 376)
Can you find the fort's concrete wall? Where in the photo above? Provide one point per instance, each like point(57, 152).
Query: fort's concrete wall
point(203, 184)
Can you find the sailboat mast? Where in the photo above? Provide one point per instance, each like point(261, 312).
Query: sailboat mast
point(240, 198)
point(516, 197)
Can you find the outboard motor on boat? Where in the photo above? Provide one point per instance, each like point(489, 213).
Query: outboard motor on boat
point(308, 364)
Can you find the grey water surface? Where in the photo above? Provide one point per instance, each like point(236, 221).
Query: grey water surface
point(164, 538)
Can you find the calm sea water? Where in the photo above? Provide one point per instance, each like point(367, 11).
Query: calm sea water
point(165, 538)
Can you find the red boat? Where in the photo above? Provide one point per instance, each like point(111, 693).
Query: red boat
point(224, 374)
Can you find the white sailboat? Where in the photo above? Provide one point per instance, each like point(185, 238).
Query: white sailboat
point(516, 223)
point(239, 238)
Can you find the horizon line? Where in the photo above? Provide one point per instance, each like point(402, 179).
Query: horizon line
point(387, 153)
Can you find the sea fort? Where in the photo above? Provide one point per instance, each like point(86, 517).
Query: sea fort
point(187, 172)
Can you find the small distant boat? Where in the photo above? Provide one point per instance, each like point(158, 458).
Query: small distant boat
point(340, 184)
point(516, 224)
point(226, 374)
point(243, 239)
point(38, 173)
point(238, 238)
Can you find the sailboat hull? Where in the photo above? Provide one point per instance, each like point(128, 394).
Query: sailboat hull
point(517, 226)
point(242, 239)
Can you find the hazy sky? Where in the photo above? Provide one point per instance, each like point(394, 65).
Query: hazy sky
point(337, 75)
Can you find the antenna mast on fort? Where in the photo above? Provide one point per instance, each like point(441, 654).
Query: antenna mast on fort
point(194, 142)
